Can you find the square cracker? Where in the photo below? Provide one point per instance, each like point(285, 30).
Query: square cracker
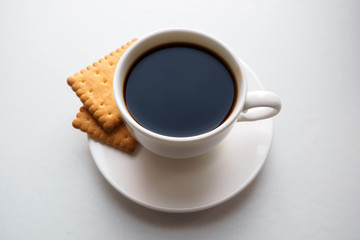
point(120, 137)
point(94, 87)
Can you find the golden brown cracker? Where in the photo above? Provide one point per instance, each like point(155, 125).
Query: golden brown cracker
point(120, 137)
point(94, 87)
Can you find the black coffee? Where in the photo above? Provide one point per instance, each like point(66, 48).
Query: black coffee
point(179, 90)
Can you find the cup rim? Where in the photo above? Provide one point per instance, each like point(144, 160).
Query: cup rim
point(118, 85)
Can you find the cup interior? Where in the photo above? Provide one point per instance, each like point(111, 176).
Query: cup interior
point(184, 36)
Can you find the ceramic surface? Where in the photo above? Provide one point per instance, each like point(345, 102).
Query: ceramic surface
point(187, 185)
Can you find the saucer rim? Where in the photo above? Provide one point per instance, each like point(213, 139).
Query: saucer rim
point(152, 206)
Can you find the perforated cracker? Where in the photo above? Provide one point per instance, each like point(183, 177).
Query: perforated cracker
point(120, 137)
point(94, 87)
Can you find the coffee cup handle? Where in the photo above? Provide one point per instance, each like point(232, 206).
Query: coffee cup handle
point(260, 105)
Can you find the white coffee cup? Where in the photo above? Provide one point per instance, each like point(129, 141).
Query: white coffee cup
point(249, 106)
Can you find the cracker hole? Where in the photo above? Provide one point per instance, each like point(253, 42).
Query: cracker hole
point(105, 81)
point(97, 72)
point(101, 104)
point(110, 113)
point(82, 81)
point(91, 90)
point(111, 64)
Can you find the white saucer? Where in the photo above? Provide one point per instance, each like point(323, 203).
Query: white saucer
point(173, 185)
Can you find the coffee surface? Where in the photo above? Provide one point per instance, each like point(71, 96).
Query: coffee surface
point(179, 91)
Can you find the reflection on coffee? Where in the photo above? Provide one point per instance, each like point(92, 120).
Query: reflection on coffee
point(179, 90)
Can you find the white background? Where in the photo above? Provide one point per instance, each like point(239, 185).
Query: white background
point(306, 51)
